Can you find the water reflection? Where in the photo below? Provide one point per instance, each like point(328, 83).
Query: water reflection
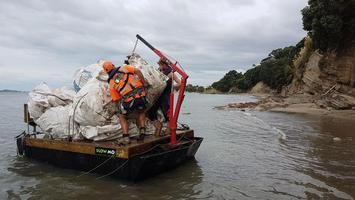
point(333, 161)
point(311, 163)
point(243, 156)
point(49, 182)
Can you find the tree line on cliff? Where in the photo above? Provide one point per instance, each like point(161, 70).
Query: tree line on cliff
point(275, 71)
point(330, 25)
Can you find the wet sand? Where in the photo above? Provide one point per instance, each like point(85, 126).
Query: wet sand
point(312, 109)
point(301, 104)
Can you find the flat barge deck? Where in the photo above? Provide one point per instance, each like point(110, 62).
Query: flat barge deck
point(135, 161)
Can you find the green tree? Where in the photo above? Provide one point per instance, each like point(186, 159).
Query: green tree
point(228, 81)
point(200, 89)
point(274, 71)
point(251, 77)
point(194, 88)
point(330, 23)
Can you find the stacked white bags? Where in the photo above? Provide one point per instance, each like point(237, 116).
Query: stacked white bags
point(56, 121)
point(155, 79)
point(88, 113)
point(41, 98)
point(50, 109)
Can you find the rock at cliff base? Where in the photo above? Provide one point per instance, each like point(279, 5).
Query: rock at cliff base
point(261, 88)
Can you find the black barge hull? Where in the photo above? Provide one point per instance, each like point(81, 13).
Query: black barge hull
point(158, 159)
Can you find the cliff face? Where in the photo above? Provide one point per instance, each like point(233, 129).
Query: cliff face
point(328, 77)
point(325, 67)
point(339, 68)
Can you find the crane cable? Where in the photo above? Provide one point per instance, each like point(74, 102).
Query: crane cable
point(135, 46)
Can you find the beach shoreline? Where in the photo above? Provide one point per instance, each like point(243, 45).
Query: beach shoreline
point(292, 105)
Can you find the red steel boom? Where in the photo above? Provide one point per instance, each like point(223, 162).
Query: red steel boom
point(173, 114)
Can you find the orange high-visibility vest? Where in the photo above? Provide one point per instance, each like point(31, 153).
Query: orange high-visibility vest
point(126, 85)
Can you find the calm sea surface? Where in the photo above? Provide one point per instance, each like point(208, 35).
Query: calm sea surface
point(245, 155)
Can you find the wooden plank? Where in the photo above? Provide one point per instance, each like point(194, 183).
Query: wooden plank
point(25, 113)
point(76, 147)
point(98, 148)
point(139, 148)
point(26, 116)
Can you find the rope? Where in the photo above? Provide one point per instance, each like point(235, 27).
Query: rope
point(47, 94)
point(172, 82)
point(135, 46)
point(69, 125)
point(107, 118)
point(123, 164)
point(96, 167)
point(183, 126)
point(181, 137)
point(75, 110)
point(171, 149)
point(113, 170)
point(177, 62)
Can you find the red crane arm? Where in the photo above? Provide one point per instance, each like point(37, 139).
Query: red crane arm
point(174, 113)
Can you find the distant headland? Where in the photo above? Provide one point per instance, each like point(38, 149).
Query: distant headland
point(7, 90)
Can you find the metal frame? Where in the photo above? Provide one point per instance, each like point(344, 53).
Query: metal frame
point(173, 114)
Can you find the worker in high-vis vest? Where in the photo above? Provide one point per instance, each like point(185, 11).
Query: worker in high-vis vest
point(127, 88)
point(163, 102)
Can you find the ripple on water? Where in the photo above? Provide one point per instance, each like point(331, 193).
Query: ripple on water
point(243, 156)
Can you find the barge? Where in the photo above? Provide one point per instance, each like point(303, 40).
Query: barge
point(134, 161)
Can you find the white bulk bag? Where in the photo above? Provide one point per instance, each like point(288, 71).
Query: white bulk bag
point(99, 133)
point(155, 79)
point(41, 98)
point(56, 122)
point(85, 74)
point(91, 111)
point(89, 102)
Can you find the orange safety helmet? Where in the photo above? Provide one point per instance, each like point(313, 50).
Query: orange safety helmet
point(108, 66)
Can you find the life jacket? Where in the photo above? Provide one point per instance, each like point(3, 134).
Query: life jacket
point(126, 83)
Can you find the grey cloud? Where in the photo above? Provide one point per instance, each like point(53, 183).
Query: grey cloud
point(205, 36)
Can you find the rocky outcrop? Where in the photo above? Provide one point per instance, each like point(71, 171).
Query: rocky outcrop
point(311, 75)
point(235, 90)
point(340, 101)
point(261, 88)
point(263, 104)
point(328, 77)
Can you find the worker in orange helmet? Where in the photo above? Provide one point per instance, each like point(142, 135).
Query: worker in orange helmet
point(127, 88)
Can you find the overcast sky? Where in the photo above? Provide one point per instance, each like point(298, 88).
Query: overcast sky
point(48, 40)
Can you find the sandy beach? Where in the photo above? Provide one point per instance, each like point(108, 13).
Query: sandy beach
point(296, 104)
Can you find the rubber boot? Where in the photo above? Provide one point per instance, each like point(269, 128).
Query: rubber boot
point(142, 134)
point(125, 139)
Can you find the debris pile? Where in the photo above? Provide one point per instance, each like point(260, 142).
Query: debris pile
point(86, 111)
